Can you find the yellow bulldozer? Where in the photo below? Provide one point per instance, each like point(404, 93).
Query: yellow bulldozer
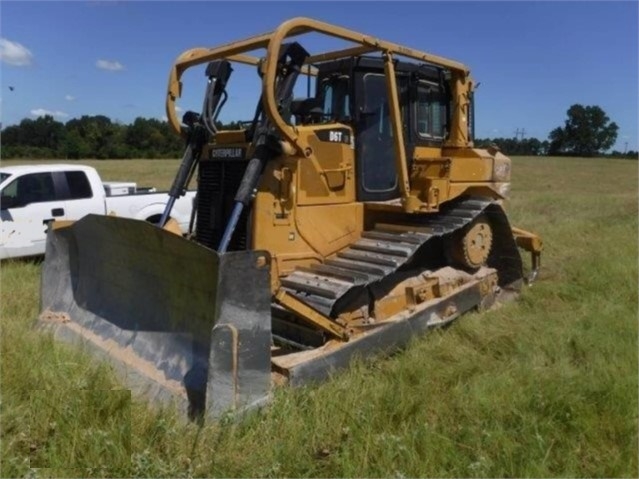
point(336, 224)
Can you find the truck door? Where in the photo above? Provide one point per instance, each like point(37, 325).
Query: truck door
point(28, 204)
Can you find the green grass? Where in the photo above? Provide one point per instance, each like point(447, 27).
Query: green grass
point(545, 387)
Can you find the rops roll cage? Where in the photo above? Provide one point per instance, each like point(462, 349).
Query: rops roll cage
point(461, 84)
point(272, 41)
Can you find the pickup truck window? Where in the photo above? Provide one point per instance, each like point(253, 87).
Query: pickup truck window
point(27, 189)
point(79, 186)
point(4, 176)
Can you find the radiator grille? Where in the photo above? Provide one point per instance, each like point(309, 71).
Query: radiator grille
point(218, 182)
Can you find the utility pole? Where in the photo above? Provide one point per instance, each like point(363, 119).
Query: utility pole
point(625, 149)
point(519, 133)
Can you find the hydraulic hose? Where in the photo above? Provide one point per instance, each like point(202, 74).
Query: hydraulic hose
point(180, 182)
point(245, 193)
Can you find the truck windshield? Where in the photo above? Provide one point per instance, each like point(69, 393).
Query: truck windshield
point(4, 176)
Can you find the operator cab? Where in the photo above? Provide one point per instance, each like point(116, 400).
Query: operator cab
point(353, 92)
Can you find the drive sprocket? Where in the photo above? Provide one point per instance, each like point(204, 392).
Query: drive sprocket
point(470, 246)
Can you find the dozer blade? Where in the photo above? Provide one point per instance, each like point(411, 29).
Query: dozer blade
point(179, 320)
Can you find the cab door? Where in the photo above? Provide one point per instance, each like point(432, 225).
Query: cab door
point(376, 169)
point(376, 173)
point(27, 205)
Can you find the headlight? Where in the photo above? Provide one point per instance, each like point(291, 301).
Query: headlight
point(501, 169)
point(504, 190)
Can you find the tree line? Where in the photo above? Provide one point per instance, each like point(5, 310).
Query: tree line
point(587, 131)
point(90, 137)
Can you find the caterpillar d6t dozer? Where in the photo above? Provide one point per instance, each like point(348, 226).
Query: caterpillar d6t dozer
point(336, 224)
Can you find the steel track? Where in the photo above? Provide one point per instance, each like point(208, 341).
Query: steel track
point(389, 249)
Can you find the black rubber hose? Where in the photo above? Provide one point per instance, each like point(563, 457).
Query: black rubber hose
point(249, 181)
point(183, 174)
point(179, 182)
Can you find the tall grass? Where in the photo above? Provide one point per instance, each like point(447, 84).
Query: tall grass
point(545, 386)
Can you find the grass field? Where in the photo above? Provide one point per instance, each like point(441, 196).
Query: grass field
point(546, 386)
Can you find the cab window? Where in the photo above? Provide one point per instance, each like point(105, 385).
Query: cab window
point(27, 189)
point(336, 101)
point(79, 186)
point(430, 111)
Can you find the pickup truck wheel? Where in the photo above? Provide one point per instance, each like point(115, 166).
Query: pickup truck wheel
point(155, 219)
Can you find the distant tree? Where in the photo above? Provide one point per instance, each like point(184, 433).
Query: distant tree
point(91, 137)
point(43, 137)
point(545, 146)
point(152, 138)
point(76, 146)
point(628, 154)
point(587, 132)
point(43, 132)
point(233, 125)
point(11, 135)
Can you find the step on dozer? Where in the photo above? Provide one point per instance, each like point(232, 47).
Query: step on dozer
point(339, 224)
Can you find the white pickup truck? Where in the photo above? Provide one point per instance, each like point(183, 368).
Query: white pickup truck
point(31, 196)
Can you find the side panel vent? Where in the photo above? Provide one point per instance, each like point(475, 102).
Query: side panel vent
point(218, 182)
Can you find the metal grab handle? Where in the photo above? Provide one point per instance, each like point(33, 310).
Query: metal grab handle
point(342, 179)
point(337, 170)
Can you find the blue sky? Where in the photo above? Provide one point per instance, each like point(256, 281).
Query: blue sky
point(533, 59)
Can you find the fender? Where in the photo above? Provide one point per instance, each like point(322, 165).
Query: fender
point(180, 212)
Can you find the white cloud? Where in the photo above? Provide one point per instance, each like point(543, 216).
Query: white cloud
point(113, 66)
point(14, 53)
point(69, 97)
point(43, 112)
point(179, 109)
